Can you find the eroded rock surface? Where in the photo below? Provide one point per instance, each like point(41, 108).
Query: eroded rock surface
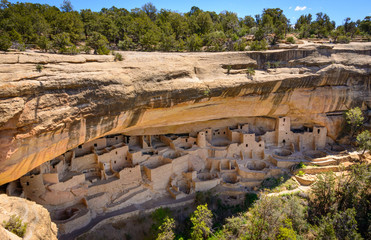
point(76, 99)
point(39, 225)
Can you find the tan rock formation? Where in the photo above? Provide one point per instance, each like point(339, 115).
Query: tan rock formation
point(79, 98)
point(39, 225)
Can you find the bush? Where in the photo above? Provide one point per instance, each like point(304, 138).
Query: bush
point(99, 43)
point(126, 43)
point(5, 42)
point(258, 45)
point(343, 39)
point(16, 226)
point(300, 173)
point(73, 50)
point(61, 42)
point(86, 49)
point(39, 67)
point(102, 50)
point(290, 40)
point(250, 72)
point(194, 43)
point(44, 43)
point(364, 141)
point(118, 57)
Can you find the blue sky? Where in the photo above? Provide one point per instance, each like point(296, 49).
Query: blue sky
point(338, 10)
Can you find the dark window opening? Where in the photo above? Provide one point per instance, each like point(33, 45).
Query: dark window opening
point(95, 145)
point(284, 141)
point(186, 140)
point(247, 145)
point(114, 161)
point(286, 133)
point(284, 120)
point(318, 131)
point(27, 183)
point(116, 138)
point(223, 132)
point(207, 132)
point(80, 146)
point(260, 145)
point(116, 152)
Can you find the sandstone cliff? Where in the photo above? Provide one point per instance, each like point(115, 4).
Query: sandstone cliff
point(79, 98)
point(39, 225)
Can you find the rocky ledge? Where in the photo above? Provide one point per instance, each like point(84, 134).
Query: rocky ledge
point(76, 99)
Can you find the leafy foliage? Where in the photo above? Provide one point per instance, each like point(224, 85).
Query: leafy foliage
point(149, 29)
point(354, 117)
point(202, 222)
point(16, 226)
point(167, 229)
point(364, 140)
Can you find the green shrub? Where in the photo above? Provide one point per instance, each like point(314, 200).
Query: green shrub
point(343, 39)
point(300, 173)
point(39, 67)
point(44, 43)
point(250, 72)
point(118, 57)
point(5, 42)
point(126, 43)
point(73, 50)
point(290, 40)
point(229, 67)
point(258, 45)
point(302, 165)
point(16, 226)
point(103, 50)
point(86, 49)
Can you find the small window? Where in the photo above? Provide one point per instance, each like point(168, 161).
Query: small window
point(284, 119)
point(286, 133)
point(28, 183)
point(116, 152)
point(186, 140)
point(260, 145)
point(284, 141)
point(247, 145)
point(117, 138)
point(95, 145)
point(80, 146)
point(126, 158)
point(194, 142)
point(223, 132)
point(115, 162)
point(207, 132)
point(318, 131)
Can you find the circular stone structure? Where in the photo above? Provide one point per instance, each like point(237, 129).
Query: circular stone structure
point(282, 152)
point(256, 165)
point(312, 154)
point(337, 148)
point(65, 214)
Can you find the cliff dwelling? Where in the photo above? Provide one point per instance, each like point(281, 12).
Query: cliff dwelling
point(92, 139)
point(116, 171)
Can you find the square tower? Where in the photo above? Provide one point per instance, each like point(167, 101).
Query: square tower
point(283, 131)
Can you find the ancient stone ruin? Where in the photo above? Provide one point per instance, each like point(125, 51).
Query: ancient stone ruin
point(89, 137)
point(116, 171)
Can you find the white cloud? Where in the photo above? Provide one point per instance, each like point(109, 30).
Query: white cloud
point(298, 8)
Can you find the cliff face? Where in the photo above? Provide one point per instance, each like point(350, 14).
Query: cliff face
point(79, 98)
point(39, 225)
